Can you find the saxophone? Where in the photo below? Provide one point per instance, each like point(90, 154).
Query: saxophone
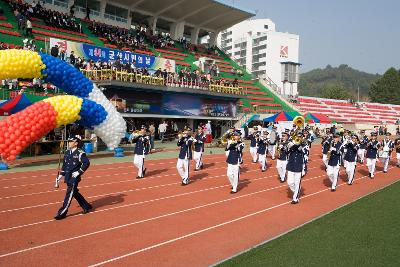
point(278, 149)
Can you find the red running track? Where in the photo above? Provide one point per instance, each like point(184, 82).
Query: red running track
point(157, 222)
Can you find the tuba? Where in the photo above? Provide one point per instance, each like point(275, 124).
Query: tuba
point(299, 121)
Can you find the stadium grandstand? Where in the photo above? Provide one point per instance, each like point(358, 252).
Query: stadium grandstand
point(167, 29)
point(170, 30)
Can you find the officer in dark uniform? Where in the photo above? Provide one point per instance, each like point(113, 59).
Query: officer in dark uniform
point(295, 167)
point(74, 165)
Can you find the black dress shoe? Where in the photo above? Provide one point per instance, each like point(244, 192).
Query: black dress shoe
point(263, 170)
point(139, 177)
point(233, 192)
point(281, 181)
point(384, 171)
point(60, 217)
point(294, 202)
point(333, 189)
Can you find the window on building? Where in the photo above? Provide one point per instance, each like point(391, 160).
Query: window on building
point(116, 13)
point(93, 5)
point(266, 27)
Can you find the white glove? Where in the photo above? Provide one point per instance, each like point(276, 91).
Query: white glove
point(58, 180)
point(75, 174)
point(333, 149)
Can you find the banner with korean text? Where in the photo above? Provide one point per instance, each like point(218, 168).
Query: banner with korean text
point(97, 53)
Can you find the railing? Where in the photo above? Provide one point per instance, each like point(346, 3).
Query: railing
point(110, 75)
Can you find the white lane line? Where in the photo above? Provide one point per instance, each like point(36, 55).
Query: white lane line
point(208, 228)
point(99, 176)
point(107, 194)
point(142, 221)
point(153, 200)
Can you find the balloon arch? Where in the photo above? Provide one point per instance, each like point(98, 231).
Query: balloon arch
point(85, 104)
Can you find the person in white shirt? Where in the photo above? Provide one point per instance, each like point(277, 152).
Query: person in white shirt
point(162, 128)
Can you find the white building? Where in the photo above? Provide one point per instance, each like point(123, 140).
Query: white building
point(258, 47)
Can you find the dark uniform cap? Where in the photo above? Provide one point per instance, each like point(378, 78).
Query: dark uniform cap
point(74, 139)
point(336, 136)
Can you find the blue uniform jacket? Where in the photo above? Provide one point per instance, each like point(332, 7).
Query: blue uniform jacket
point(334, 159)
point(253, 140)
point(351, 153)
point(74, 161)
point(372, 149)
point(235, 152)
point(363, 142)
point(142, 145)
point(262, 146)
point(295, 159)
point(186, 147)
point(199, 144)
point(325, 146)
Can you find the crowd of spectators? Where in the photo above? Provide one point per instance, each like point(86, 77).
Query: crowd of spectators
point(134, 38)
point(24, 12)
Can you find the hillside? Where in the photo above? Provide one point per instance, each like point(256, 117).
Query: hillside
point(312, 83)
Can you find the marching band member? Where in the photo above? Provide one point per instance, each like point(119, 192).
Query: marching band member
point(334, 161)
point(273, 137)
point(200, 138)
point(351, 157)
point(306, 149)
point(345, 138)
point(325, 147)
point(235, 150)
point(363, 144)
point(142, 146)
point(387, 148)
point(253, 143)
point(262, 151)
point(372, 152)
point(295, 167)
point(282, 157)
point(185, 155)
point(397, 147)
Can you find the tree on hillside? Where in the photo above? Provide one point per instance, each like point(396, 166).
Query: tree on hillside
point(386, 89)
point(336, 91)
point(314, 82)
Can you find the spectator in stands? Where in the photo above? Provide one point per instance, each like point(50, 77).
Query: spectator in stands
point(72, 59)
point(87, 12)
point(29, 28)
point(72, 10)
point(54, 51)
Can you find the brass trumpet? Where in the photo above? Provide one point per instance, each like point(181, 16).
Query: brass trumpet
point(180, 135)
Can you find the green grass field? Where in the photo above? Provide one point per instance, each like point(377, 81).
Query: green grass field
point(364, 233)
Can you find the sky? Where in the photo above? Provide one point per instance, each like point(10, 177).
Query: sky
point(362, 34)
